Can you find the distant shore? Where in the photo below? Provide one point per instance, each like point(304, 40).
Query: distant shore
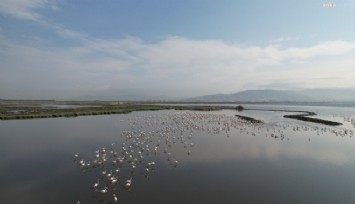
point(31, 109)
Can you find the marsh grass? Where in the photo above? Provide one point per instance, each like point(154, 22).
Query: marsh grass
point(20, 110)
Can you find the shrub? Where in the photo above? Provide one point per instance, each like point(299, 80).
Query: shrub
point(239, 108)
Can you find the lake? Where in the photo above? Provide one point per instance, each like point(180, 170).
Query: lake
point(180, 157)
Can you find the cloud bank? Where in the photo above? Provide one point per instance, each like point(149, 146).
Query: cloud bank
point(175, 66)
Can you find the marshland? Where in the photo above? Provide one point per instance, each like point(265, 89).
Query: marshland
point(175, 154)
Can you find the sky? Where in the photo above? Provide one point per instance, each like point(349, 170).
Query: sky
point(172, 49)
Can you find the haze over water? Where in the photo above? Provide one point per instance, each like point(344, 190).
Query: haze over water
point(281, 161)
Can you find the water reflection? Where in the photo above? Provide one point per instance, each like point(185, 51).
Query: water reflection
point(176, 157)
point(149, 133)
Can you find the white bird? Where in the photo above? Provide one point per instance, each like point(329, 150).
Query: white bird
point(109, 174)
point(104, 190)
point(115, 197)
point(96, 184)
point(128, 183)
point(113, 180)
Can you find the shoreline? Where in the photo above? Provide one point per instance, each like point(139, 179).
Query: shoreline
point(36, 111)
point(32, 109)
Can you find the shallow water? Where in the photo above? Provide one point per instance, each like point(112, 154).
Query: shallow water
point(281, 161)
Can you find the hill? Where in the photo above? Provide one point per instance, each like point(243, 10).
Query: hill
point(307, 95)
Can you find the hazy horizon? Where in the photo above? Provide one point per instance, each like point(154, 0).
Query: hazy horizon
point(61, 49)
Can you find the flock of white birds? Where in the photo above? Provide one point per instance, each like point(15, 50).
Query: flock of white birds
point(157, 135)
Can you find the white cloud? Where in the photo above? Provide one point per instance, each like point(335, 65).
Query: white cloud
point(25, 9)
point(326, 48)
point(175, 66)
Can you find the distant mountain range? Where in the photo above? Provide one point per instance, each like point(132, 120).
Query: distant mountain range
point(264, 95)
point(267, 95)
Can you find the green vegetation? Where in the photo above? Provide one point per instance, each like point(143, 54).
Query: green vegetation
point(239, 108)
point(29, 109)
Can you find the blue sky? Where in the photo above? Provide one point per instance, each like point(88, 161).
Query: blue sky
point(177, 48)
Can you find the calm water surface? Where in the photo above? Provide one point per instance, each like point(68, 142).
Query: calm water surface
point(281, 161)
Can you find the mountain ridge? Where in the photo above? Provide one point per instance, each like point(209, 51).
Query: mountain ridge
point(258, 95)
